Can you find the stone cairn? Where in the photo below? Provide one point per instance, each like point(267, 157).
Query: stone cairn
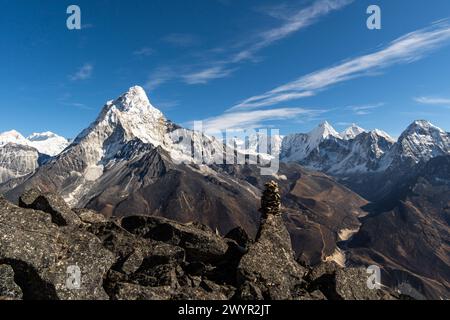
point(271, 200)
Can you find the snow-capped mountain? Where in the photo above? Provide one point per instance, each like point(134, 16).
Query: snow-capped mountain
point(356, 150)
point(323, 149)
point(351, 132)
point(296, 147)
point(371, 163)
point(132, 118)
point(12, 137)
point(129, 161)
point(132, 157)
point(127, 129)
point(20, 156)
point(258, 143)
point(422, 141)
point(47, 143)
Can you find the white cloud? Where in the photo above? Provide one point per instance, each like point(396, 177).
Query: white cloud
point(77, 105)
point(144, 52)
point(406, 49)
point(159, 77)
point(84, 73)
point(362, 110)
point(437, 101)
point(205, 75)
point(292, 22)
point(252, 119)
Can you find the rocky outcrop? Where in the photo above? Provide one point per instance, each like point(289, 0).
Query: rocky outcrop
point(41, 252)
point(337, 283)
point(269, 270)
point(50, 203)
point(43, 241)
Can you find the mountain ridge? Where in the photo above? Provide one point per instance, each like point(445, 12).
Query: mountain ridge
point(132, 160)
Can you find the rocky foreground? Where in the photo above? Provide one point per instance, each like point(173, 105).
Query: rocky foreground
point(152, 258)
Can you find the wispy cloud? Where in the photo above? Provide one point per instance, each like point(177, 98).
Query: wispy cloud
point(436, 101)
point(159, 77)
point(84, 73)
point(362, 110)
point(203, 76)
point(293, 20)
point(144, 52)
point(252, 119)
point(77, 105)
point(66, 100)
point(181, 39)
point(406, 49)
point(212, 67)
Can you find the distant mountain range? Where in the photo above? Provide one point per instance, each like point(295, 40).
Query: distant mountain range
point(132, 160)
point(370, 163)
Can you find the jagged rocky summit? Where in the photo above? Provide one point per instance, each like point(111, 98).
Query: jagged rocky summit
point(153, 258)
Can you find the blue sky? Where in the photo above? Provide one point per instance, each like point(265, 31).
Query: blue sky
point(232, 63)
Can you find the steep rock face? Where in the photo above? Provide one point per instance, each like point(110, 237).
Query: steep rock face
point(415, 219)
point(18, 161)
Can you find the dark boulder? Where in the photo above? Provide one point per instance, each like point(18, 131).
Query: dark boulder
point(199, 244)
point(50, 203)
point(90, 216)
point(40, 253)
point(338, 283)
point(240, 236)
